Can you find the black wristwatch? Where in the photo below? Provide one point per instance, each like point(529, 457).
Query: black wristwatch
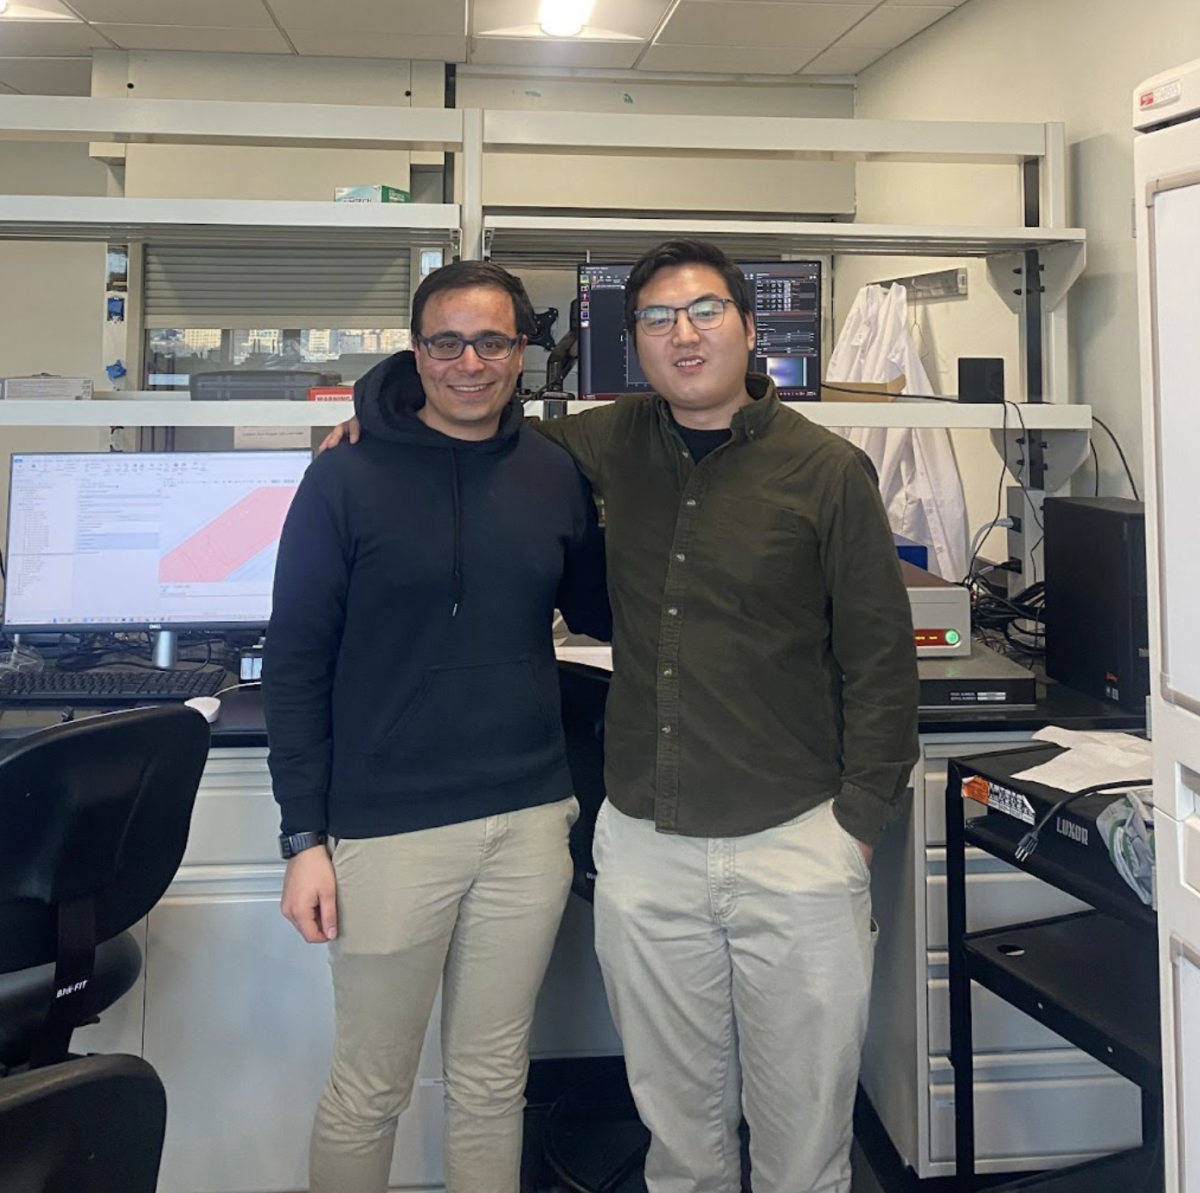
point(296, 843)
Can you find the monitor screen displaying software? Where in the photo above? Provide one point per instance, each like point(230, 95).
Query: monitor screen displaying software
point(787, 318)
point(128, 541)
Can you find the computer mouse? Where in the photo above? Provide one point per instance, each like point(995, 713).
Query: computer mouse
point(209, 707)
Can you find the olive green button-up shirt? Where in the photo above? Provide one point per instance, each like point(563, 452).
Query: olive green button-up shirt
point(763, 655)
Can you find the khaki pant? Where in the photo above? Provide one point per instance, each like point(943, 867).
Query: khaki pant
point(473, 906)
point(738, 971)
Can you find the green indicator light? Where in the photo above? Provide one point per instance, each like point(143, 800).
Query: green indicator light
point(952, 638)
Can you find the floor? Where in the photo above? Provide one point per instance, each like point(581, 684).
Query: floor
point(536, 1177)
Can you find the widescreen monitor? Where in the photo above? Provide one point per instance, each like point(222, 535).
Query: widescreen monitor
point(145, 541)
point(786, 296)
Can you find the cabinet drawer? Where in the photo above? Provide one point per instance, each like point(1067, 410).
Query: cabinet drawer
point(1007, 897)
point(236, 820)
point(997, 1026)
point(1045, 1123)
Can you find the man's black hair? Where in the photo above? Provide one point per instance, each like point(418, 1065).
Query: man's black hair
point(685, 252)
point(467, 275)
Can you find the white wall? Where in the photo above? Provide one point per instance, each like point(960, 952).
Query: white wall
point(1075, 61)
point(51, 296)
point(675, 183)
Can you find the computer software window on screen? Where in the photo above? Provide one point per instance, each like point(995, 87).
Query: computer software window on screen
point(141, 540)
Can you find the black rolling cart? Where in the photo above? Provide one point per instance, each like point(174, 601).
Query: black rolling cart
point(1091, 977)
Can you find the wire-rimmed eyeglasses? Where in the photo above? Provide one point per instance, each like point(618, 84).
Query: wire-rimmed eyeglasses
point(704, 314)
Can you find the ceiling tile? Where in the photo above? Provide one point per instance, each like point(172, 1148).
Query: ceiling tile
point(219, 41)
point(757, 23)
point(426, 18)
point(889, 26)
point(633, 18)
point(723, 60)
point(850, 61)
point(366, 45)
point(49, 39)
point(600, 55)
point(223, 14)
point(39, 10)
point(48, 76)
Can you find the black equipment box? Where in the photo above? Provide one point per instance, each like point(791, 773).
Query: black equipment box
point(1097, 639)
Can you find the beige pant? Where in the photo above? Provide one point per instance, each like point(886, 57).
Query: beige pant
point(738, 971)
point(475, 906)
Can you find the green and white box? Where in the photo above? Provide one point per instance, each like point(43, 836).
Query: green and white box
point(371, 194)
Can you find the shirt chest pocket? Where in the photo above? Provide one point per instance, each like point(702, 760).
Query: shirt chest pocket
point(755, 545)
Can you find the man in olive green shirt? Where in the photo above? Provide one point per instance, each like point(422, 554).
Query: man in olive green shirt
point(760, 729)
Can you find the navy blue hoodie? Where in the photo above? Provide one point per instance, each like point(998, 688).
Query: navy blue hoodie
point(409, 677)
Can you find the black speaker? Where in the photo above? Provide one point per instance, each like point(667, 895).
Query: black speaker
point(1097, 639)
point(980, 379)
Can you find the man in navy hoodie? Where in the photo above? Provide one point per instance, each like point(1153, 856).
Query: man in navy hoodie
point(417, 753)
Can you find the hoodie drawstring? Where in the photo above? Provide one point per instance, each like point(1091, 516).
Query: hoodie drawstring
point(457, 533)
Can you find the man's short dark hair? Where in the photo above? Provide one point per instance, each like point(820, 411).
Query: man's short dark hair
point(467, 275)
point(685, 252)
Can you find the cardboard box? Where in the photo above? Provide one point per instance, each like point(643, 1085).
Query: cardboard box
point(371, 194)
point(331, 393)
point(45, 388)
point(862, 391)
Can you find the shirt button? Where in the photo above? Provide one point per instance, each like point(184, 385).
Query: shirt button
point(690, 501)
point(673, 611)
point(681, 556)
point(684, 454)
point(667, 729)
point(668, 672)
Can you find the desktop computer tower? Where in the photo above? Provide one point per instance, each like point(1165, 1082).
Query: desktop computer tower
point(1095, 562)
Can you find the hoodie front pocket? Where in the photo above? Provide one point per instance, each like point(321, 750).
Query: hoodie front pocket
point(465, 727)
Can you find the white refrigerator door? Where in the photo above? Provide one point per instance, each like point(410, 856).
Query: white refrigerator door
point(1168, 202)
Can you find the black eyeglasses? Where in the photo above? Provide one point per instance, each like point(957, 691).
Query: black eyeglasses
point(488, 347)
point(704, 314)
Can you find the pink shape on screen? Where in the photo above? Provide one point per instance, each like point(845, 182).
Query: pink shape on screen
point(215, 551)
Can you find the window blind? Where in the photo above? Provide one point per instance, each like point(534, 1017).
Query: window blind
point(275, 286)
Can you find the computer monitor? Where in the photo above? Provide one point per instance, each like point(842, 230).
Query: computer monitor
point(787, 317)
point(159, 541)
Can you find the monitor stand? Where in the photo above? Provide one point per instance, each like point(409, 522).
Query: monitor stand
point(165, 642)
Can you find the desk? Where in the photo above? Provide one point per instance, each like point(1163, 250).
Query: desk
point(236, 1012)
point(1090, 976)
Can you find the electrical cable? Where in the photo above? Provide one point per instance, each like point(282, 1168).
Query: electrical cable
point(1120, 452)
point(999, 500)
point(1096, 465)
point(1029, 842)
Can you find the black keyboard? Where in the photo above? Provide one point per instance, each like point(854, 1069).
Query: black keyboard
point(107, 687)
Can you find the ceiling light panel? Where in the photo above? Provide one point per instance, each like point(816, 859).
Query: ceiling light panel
point(219, 14)
point(426, 18)
point(205, 41)
point(757, 24)
point(628, 18)
point(38, 10)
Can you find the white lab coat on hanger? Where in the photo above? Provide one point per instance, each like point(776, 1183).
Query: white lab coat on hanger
point(918, 473)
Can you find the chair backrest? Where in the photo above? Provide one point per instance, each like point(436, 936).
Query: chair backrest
point(93, 1125)
point(93, 811)
point(584, 694)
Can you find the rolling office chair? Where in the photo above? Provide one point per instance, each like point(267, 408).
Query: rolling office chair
point(90, 1125)
point(94, 818)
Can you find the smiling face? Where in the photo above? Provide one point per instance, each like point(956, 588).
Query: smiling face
point(701, 374)
point(464, 398)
